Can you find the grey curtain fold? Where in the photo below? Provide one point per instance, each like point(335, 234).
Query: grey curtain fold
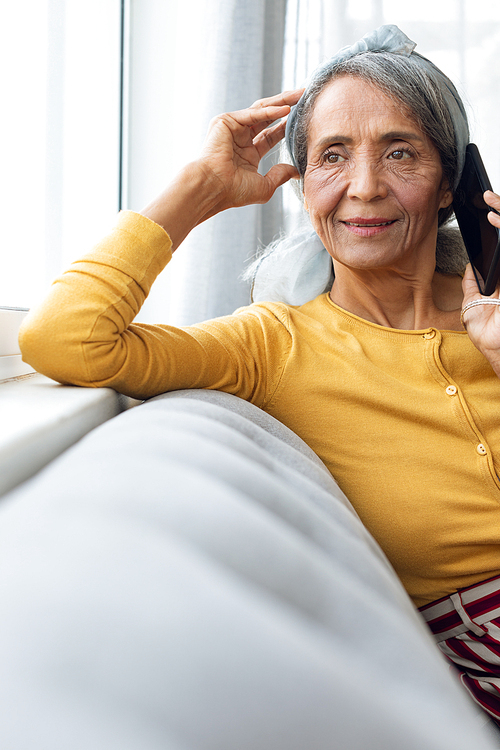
point(245, 42)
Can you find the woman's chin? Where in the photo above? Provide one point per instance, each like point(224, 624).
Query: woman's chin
point(361, 262)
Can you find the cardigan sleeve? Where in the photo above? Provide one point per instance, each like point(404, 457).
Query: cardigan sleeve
point(83, 332)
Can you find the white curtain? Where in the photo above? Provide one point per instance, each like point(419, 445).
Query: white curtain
point(246, 52)
point(228, 53)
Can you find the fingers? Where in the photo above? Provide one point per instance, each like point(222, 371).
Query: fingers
point(260, 115)
point(263, 112)
point(244, 125)
point(258, 118)
point(253, 128)
point(269, 137)
point(285, 97)
point(493, 200)
point(278, 175)
point(469, 285)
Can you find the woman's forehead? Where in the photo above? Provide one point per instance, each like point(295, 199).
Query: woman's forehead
point(352, 103)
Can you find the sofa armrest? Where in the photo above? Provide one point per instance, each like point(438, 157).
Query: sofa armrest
point(189, 575)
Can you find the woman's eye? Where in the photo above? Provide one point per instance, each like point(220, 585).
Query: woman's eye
point(333, 158)
point(399, 155)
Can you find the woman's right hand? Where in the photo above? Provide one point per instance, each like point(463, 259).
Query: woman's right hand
point(235, 144)
point(226, 174)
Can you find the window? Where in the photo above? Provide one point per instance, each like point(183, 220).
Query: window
point(60, 136)
point(60, 68)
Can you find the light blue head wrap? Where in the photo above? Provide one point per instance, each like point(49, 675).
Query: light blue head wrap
point(391, 39)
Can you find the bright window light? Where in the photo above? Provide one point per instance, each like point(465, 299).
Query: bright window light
point(60, 74)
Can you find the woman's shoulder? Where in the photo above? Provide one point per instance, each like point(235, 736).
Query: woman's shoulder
point(286, 314)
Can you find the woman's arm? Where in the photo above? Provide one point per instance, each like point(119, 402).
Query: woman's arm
point(83, 331)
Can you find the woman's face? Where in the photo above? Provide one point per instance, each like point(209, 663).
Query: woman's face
point(373, 184)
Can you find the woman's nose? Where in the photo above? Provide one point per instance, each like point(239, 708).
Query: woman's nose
point(366, 182)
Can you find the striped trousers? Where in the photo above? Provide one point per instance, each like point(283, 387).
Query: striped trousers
point(466, 626)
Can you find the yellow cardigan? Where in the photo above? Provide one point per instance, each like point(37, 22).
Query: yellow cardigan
point(406, 421)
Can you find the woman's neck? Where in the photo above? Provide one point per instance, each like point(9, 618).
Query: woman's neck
point(391, 299)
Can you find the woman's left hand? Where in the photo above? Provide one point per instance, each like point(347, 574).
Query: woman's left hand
point(483, 321)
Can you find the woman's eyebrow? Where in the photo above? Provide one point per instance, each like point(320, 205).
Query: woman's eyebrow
point(330, 139)
point(402, 135)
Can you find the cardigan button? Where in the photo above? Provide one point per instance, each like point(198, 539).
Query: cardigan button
point(429, 335)
point(451, 390)
point(481, 449)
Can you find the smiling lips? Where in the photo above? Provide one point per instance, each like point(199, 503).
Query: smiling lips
point(367, 227)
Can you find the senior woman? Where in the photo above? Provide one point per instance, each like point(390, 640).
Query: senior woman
point(377, 375)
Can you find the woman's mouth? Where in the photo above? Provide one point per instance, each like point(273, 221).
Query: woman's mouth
point(367, 227)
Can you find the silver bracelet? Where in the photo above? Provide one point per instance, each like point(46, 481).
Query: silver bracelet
point(474, 303)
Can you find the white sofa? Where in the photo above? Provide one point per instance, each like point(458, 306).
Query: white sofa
point(190, 577)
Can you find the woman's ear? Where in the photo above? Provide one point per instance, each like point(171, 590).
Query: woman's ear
point(447, 197)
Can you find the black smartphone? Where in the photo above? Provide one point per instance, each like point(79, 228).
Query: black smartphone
point(481, 239)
